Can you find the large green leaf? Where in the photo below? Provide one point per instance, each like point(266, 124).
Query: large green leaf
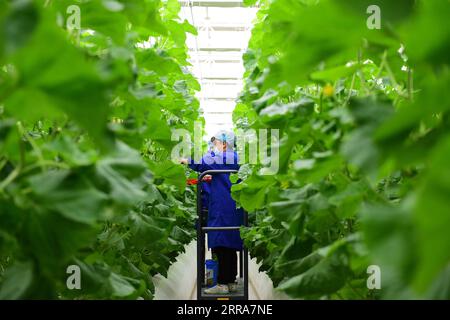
point(75, 200)
point(18, 279)
point(48, 80)
point(335, 73)
point(252, 193)
point(169, 173)
point(120, 286)
point(389, 229)
point(432, 217)
point(327, 276)
point(123, 169)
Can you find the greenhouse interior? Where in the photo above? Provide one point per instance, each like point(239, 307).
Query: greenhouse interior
point(242, 150)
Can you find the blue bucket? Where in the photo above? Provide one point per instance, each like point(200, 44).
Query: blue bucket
point(211, 270)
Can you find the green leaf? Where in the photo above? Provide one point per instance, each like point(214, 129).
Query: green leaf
point(104, 17)
point(327, 276)
point(120, 286)
point(359, 147)
point(189, 28)
point(38, 239)
point(432, 216)
point(17, 279)
point(314, 170)
point(277, 111)
point(387, 230)
point(172, 8)
point(429, 15)
point(285, 210)
point(250, 2)
point(170, 173)
point(144, 230)
point(76, 201)
point(334, 74)
point(18, 25)
point(121, 169)
point(411, 115)
point(70, 151)
point(113, 5)
point(157, 61)
point(268, 97)
point(48, 81)
point(252, 192)
point(349, 200)
point(440, 289)
point(158, 131)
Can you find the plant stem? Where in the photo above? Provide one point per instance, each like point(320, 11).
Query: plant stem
point(41, 160)
point(382, 66)
point(391, 75)
point(352, 84)
point(46, 163)
point(410, 84)
point(2, 163)
point(360, 72)
point(10, 178)
point(15, 173)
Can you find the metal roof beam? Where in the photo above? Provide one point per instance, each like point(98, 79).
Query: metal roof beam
point(219, 98)
point(206, 49)
point(212, 83)
point(230, 28)
point(220, 123)
point(218, 61)
point(213, 3)
point(220, 78)
point(217, 112)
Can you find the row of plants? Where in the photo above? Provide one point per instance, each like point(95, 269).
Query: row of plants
point(364, 121)
point(89, 93)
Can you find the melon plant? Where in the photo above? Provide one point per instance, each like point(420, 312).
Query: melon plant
point(364, 117)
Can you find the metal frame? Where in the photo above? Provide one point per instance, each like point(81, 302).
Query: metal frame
point(213, 3)
point(201, 231)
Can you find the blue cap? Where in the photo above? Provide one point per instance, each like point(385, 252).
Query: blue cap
point(225, 136)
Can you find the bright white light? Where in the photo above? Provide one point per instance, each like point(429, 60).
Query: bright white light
point(216, 58)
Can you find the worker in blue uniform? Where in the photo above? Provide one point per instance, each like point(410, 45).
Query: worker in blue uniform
point(222, 211)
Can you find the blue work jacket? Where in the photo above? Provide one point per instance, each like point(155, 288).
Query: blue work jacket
point(222, 210)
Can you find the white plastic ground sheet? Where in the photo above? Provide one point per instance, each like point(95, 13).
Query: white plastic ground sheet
point(181, 281)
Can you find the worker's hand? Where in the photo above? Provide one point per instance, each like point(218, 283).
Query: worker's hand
point(184, 161)
point(208, 177)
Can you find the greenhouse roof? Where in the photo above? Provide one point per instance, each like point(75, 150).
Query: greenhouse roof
point(216, 55)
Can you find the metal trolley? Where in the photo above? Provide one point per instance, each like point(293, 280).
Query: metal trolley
point(202, 229)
